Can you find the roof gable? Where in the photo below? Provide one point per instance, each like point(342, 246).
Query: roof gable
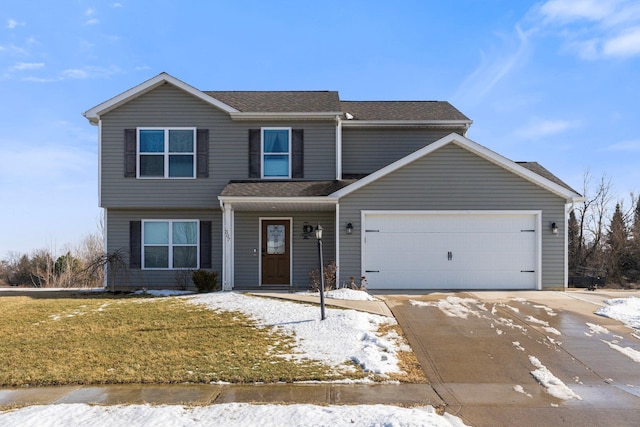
point(481, 151)
point(93, 114)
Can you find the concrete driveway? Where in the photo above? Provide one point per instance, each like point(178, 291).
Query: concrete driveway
point(478, 350)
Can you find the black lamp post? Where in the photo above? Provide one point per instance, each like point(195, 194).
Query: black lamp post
point(319, 237)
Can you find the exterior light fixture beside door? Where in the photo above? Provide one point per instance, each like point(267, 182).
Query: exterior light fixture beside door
point(349, 228)
point(554, 228)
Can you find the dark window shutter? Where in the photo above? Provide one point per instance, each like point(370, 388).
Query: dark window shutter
point(130, 153)
point(135, 243)
point(297, 153)
point(205, 244)
point(202, 164)
point(254, 153)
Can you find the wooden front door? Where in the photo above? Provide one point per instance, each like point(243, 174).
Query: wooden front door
point(276, 264)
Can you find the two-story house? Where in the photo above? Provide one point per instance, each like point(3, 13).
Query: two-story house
point(235, 182)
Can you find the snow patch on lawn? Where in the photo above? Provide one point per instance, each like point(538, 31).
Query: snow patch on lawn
point(228, 414)
point(343, 294)
point(626, 310)
point(550, 382)
point(162, 292)
point(345, 335)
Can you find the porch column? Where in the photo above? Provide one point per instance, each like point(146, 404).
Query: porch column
point(227, 247)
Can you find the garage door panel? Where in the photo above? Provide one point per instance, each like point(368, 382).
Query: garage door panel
point(452, 251)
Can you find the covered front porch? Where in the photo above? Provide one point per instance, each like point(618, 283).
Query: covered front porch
point(268, 238)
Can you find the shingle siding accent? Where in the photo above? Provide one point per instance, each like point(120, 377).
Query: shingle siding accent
point(167, 106)
point(119, 229)
point(366, 150)
point(304, 251)
point(452, 178)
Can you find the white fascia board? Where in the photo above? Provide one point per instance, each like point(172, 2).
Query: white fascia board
point(239, 115)
point(473, 147)
point(406, 123)
point(94, 113)
point(311, 200)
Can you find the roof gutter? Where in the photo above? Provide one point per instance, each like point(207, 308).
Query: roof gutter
point(408, 123)
point(321, 115)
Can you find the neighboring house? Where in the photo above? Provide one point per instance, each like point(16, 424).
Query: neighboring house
point(233, 182)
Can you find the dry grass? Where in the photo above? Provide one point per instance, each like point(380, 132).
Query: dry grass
point(407, 361)
point(101, 339)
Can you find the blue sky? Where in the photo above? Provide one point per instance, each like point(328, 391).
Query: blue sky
point(554, 81)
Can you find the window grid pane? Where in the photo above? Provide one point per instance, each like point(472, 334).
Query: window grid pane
point(152, 141)
point(276, 165)
point(181, 141)
point(170, 244)
point(181, 165)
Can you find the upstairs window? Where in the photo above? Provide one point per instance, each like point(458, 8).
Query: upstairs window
point(276, 152)
point(166, 152)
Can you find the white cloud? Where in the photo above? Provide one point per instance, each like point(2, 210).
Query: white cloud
point(595, 29)
point(632, 146)
point(495, 67)
point(90, 11)
point(539, 128)
point(92, 21)
point(571, 10)
point(627, 44)
point(117, 4)
point(12, 24)
point(22, 66)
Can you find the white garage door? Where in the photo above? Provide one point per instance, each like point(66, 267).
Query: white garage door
point(450, 250)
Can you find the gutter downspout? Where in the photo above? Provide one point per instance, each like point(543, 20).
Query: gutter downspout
point(338, 148)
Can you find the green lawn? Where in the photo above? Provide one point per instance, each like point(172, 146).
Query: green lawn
point(100, 339)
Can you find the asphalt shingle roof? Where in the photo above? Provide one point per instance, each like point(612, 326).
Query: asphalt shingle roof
point(537, 168)
point(279, 101)
point(402, 110)
point(254, 188)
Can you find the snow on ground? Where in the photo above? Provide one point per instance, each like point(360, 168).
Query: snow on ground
point(344, 294)
point(626, 310)
point(352, 334)
point(455, 306)
point(553, 384)
point(162, 292)
point(229, 415)
point(597, 329)
point(520, 389)
point(627, 351)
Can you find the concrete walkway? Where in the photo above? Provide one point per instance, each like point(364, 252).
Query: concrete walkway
point(208, 394)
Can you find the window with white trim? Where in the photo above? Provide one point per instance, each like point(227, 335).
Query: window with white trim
point(170, 244)
point(166, 152)
point(276, 152)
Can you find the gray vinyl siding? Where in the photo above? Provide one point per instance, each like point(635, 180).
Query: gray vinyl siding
point(304, 251)
point(167, 106)
point(452, 178)
point(366, 150)
point(117, 225)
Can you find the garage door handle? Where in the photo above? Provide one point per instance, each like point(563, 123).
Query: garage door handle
point(372, 271)
point(527, 271)
point(449, 256)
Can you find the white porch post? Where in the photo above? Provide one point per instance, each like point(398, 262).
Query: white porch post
point(227, 247)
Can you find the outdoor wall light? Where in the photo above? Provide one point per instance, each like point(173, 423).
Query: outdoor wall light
point(554, 228)
point(349, 228)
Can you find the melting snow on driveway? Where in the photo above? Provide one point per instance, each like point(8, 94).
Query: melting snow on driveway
point(455, 306)
point(230, 414)
point(554, 386)
point(626, 310)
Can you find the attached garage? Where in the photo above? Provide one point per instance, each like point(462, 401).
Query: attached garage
point(451, 249)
